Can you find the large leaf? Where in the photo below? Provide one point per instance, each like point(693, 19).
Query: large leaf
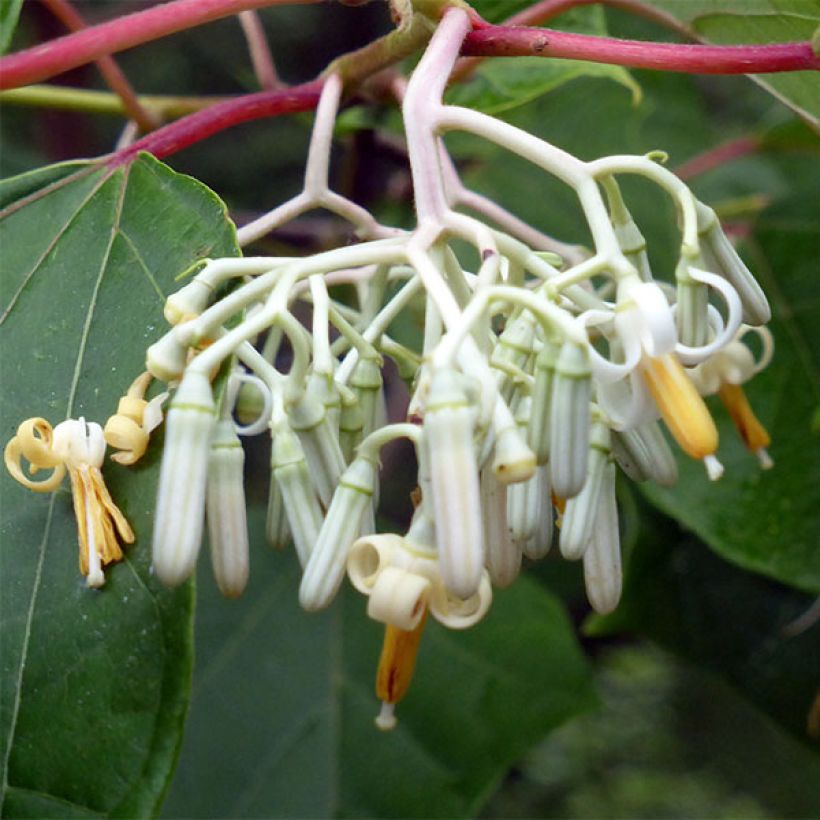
point(94, 683)
point(500, 85)
point(9, 12)
point(768, 521)
point(760, 21)
point(281, 721)
point(756, 633)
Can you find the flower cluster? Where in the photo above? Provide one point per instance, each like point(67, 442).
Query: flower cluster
point(544, 367)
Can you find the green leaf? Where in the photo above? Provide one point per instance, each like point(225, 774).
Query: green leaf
point(757, 634)
point(285, 702)
point(9, 12)
point(760, 22)
point(767, 521)
point(503, 84)
point(94, 683)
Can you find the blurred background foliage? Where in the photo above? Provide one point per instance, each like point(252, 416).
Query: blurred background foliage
point(694, 698)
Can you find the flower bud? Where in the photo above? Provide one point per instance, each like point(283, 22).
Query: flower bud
point(277, 531)
point(538, 429)
point(226, 512)
point(181, 492)
point(308, 418)
point(290, 469)
point(691, 316)
point(166, 359)
point(454, 486)
point(325, 568)
point(539, 543)
point(643, 454)
point(579, 515)
point(187, 302)
point(366, 382)
point(503, 557)
point(721, 257)
point(513, 349)
point(602, 557)
point(351, 426)
point(569, 420)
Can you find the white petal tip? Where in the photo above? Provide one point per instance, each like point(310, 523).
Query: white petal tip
point(714, 469)
point(766, 462)
point(386, 719)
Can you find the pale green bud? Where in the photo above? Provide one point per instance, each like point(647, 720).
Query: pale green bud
point(325, 568)
point(181, 492)
point(226, 512)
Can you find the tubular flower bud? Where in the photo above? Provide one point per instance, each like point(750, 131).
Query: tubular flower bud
point(166, 359)
point(633, 245)
point(577, 523)
point(276, 521)
point(503, 556)
point(538, 430)
point(692, 308)
point(602, 557)
point(78, 446)
point(322, 386)
point(188, 302)
point(181, 492)
point(396, 666)
point(643, 454)
point(683, 410)
point(325, 567)
point(569, 421)
point(351, 425)
point(448, 445)
point(290, 470)
point(366, 382)
point(720, 256)
point(225, 510)
point(538, 545)
point(514, 348)
point(308, 418)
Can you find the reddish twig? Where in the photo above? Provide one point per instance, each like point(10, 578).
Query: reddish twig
point(186, 131)
point(714, 157)
point(259, 51)
point(113, 76)
point(540, 13)
point(46, 60)
point(509, 41)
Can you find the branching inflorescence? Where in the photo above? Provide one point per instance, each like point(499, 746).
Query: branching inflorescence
point(544, 367)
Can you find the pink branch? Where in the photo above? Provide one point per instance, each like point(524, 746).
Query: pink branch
point(56, 56)
point(504, 41)
point(186, 131)
point(717, 156)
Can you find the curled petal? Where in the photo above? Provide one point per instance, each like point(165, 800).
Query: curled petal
point(12, 455)
point(124, 434)
point(36, 440)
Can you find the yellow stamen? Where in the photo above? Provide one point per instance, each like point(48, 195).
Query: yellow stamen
point(681, 406)
point(754, 434)
point(396, 665)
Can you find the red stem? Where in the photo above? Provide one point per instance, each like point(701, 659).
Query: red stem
point(56, 56)
point(717, 156)
point(195, 127)
point(113, 76)
point(510, 41)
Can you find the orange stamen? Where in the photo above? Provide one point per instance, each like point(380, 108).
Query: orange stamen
point(754, 434)
point(683, 410)
point(396, 666)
